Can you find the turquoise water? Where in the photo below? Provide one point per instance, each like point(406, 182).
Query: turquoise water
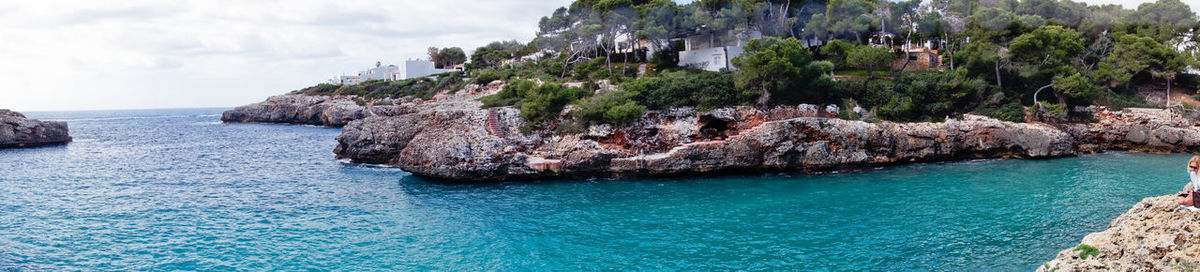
point(178, 190)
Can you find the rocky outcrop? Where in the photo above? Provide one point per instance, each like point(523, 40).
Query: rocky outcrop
point(339, 110)
point(331, 111)
point(451, 141)
point(18, 131)
point(1150, 130)
point(1155, 235)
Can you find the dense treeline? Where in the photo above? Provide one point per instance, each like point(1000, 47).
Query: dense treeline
point(998, 57)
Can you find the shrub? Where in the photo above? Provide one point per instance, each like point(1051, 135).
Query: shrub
point(1012, 111)
point(510, 95)
point(489, 75)
point(546, 101)
point(1086, 251)
point(319, 89)
point(917, 96)
point(702, 89)
point(613, 107)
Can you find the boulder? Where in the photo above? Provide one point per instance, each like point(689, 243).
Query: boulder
point(1154, 235)
point(18, 131)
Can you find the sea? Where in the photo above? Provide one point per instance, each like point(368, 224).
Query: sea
point(178, 189)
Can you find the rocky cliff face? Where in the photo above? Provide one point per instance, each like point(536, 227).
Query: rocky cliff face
point(1150, 130)
point(1155, 235)
point(332, 111)
point(18, 131)
point(451, 140)
point(338, 110)
point(451, 137)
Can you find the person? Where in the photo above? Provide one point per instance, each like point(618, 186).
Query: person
point(1189, 195)
point(1194, 172)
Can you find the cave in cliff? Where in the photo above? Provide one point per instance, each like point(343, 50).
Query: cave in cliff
point(712, 128)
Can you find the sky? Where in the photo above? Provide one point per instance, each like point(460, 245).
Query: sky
point(92, 55)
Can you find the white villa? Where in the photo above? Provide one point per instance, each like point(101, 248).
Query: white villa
point(419, 68)
point(714, 51)
point(410, 69)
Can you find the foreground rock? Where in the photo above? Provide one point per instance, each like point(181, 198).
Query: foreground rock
point(1153, 236)
point(18, 131)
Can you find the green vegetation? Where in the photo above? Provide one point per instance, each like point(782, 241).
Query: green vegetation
point(537, 102)
point(424, 87)
point(870, 58)
point(783, 68)
point(613, 107)
point(1086, 251)
point(701, 89)
point(446, 57)
point(1004, 59)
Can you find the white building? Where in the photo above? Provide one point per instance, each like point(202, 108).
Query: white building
point(410, 69)
point(379, 72)
point(345, 80)
point(417, 68)
point(714, 51)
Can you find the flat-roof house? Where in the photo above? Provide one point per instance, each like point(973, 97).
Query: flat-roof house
point(418, 68)
point(715, 51)
point(379, 72)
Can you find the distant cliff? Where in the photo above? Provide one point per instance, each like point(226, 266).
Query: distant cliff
point(298, 109)
point(18, 131)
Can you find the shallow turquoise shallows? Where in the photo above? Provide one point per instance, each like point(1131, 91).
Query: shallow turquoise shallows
point(178, 190)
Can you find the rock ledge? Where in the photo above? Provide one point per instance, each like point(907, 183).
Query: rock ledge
point(18, 131)
point(1155, 235)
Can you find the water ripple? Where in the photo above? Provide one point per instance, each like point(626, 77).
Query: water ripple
point(176, 190)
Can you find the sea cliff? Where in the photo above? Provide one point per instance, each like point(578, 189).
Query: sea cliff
point(452, 137)
point(331, 111)
point(18, 131)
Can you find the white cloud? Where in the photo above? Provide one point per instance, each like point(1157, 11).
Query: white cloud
point(78, 55)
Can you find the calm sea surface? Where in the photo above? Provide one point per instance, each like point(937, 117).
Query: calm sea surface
point(178, 190)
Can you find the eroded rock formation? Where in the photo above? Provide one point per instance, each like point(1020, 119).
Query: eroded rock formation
point(1155, 235)
point(332, 111)
point(452, 137)
point(450, 140)
point(18, 131)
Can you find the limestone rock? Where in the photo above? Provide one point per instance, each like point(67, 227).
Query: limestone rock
point(451, 142)
point(18, 131)
point(332, 111)
point(1155, 235)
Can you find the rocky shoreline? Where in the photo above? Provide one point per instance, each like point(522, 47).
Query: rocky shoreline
point(1155, 235)
point(18, 131)
point(452, 138)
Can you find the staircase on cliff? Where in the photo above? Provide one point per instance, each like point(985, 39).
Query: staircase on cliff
point(493, 123)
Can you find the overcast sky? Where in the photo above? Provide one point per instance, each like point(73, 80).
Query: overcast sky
point(87, 55)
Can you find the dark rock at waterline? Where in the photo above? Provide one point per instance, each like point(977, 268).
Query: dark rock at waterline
point(18, 131)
